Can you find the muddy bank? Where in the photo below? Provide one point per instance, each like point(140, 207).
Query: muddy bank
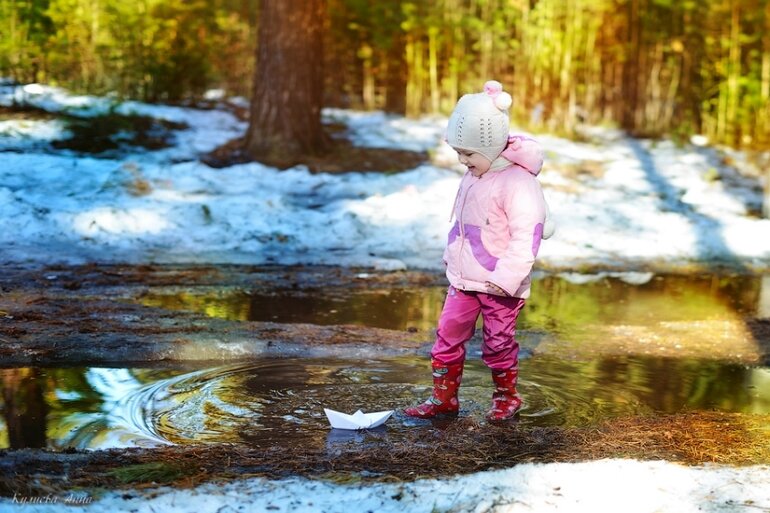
point(449, 448)
point(42, 328)
point(106, 277)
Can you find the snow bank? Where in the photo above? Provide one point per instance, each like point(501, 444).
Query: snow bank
point(594, 487)
point(649, 203)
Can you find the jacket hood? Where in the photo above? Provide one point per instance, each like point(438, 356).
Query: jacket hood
point(524, 151)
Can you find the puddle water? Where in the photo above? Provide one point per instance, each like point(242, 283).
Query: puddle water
point(275, 401)
point(270, 402)
point(558, 303)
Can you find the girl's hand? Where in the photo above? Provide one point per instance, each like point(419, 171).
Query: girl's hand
point(494, 289)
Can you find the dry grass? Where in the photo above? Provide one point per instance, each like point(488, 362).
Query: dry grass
point(690, 438)
point(458, 447)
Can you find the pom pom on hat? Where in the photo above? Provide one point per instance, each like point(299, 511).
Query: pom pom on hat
point(479, 122)
point(503, 101)
point(494, 89)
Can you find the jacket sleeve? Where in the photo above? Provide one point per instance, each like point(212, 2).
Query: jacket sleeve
point(524, 208)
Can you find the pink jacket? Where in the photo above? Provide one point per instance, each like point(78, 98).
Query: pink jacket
point(500, 217)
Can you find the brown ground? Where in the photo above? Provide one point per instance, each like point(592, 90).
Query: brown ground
point(342, 157)
point(22, 112)
point(457, 447)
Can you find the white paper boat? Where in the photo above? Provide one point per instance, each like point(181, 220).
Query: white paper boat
point(359, 420)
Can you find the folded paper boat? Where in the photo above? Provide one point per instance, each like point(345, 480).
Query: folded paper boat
point(359, 420)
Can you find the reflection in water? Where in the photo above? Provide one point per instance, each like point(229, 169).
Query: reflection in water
point(24, 408)
point(571, 315)
point(557, 303)
point(385, 308)
point(276, 401)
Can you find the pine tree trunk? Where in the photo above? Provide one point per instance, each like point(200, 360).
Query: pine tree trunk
point(368, 89)
point(766, 199)
point(631, 68)
point(734, 76)
point(395, 87)
point(287, 94)
point(763, 116)
point(433, 69)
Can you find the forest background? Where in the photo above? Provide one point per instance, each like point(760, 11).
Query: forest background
point(652, 67)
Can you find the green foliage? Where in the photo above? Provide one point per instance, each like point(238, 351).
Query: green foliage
point(150, 49)
point(654, 67)
point(24, 27)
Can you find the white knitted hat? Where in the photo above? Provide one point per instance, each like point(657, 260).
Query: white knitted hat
point(479, 122)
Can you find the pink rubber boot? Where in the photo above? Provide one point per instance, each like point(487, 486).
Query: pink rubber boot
point(443, 402)
point(505, 401)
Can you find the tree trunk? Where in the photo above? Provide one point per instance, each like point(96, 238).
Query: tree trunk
point(631, 69)
point(395, 87)
point(415, 86)
point(433, 68)
point(766, 199)
point(763, 116)
point(734, 75)
point(285, 122)
point(368, 89)
point(763, 306)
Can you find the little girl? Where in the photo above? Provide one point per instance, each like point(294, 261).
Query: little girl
point(501, 217)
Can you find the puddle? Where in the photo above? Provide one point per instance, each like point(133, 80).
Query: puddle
point(558, 303)
point(272, 402)
point(398, 309)
point(573, 316)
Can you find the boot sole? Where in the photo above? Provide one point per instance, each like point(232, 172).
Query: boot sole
point(447, 415)
point(440, 416)
point(513, 416)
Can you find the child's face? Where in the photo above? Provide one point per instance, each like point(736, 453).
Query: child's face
point(477, 163)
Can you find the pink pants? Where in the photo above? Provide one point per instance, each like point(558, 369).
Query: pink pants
point(457, 324)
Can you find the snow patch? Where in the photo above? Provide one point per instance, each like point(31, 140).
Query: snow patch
point(592, 487)
point(644, 202)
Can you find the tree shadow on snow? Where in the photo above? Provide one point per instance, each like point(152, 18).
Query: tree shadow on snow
point(711, 246)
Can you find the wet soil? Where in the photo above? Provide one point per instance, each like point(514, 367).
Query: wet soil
point(110, 314)
point(340, 157)
point(104, 134)
point(25, 112)
point(111, 132)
